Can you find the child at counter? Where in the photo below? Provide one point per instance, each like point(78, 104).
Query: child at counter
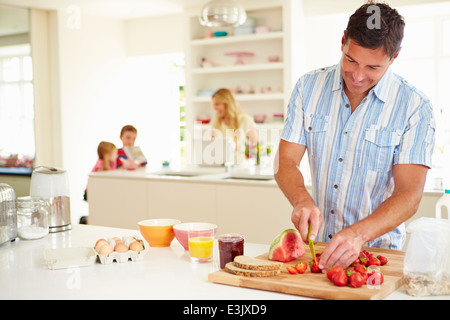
point(107, 158)
point(128, 136)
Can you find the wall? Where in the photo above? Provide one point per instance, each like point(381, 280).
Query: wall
point(153, 36)
point(103, 88)
point(91, 57)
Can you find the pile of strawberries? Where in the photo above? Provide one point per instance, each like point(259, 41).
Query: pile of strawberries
point(362, 271)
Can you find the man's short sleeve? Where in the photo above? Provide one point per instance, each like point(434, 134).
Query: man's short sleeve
point(417, 142)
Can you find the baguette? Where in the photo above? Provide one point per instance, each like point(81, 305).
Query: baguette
point(231, 268)
point(245, 262)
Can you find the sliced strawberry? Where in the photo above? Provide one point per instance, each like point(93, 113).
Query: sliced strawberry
point(292, 270)
point(301, 267)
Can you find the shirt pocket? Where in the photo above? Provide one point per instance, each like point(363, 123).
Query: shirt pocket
point(316, 127)
point(378, 149)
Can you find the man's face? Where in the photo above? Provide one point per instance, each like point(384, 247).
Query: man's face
point(128, 138)
point(362, 68)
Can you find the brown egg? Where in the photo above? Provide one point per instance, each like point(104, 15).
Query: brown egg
point(120, 247)
point(105, 249)
point(136, 246)
point(99, 244)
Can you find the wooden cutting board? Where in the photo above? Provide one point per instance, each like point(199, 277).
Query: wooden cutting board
point(317, 285)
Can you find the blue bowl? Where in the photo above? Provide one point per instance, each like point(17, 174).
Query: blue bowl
point(220, 33)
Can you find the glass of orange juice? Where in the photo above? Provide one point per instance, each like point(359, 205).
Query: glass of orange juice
point(201, 245)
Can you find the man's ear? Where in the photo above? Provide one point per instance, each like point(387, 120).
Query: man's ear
point(343, 40)
point(395, 55)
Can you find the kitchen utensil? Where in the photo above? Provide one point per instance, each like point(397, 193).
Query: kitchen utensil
point(8, 214)
point(52, 185)
point(316, 285)
point(181, 231)
point(311, 244)
point(158, 232)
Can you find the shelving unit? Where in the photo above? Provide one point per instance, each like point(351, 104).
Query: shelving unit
point(262, 85)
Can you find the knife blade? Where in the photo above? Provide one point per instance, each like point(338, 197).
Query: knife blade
point(311, 243)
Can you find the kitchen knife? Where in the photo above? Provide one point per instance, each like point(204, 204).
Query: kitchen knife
point(311, 243)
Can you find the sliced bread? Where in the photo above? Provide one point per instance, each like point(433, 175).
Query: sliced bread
point(245, 262)
point(231, 268)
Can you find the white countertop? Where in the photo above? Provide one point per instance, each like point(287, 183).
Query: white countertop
point(198, 174)
point(205, 174)
point(163, 273)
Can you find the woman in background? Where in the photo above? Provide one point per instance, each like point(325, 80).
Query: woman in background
point(229, 115)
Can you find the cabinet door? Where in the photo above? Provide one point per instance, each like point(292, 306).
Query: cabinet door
point(119, 203)
point(185, 201)
point(260, 213)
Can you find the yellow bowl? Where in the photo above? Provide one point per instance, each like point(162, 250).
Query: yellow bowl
point(158, 232)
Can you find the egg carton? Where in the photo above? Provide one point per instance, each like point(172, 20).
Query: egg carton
point(122, 256)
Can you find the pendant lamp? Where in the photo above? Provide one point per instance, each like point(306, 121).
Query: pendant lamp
point(222, 13)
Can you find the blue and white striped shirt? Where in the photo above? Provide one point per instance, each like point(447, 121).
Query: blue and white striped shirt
point(351, 155)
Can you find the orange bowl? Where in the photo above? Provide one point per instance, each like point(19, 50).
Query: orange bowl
point(158, 232)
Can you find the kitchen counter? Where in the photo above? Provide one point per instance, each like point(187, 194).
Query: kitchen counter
point(194, 194)
point(162, 273)
point(212, 175)
point(234, 202)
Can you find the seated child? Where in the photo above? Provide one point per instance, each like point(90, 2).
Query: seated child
point(107, 157)
point(128, 136)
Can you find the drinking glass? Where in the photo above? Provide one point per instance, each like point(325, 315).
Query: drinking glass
point(230, 246)
point(201, 245)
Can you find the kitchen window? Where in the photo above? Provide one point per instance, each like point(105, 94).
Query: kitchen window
point(424, 61)
point(17, 143)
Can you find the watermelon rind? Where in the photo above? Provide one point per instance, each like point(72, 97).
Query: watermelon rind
point(278, 242)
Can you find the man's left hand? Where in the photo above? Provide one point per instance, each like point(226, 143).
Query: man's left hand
point(342, 250)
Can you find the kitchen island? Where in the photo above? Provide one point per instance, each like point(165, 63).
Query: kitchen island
point(241, 201)
point(244, 201)
point(162, 273)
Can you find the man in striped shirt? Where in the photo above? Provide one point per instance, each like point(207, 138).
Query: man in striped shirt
point(369, 136)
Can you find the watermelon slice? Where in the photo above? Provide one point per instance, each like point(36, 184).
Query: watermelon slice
point(287, 246)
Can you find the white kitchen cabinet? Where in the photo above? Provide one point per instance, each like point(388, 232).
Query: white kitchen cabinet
point(118, 203)
point(178, 199)
point(256, 209)
point(260, 213)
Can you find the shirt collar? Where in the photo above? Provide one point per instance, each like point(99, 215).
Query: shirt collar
point(380, 90)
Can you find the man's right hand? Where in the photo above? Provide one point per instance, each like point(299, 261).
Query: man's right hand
point(302, 215)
